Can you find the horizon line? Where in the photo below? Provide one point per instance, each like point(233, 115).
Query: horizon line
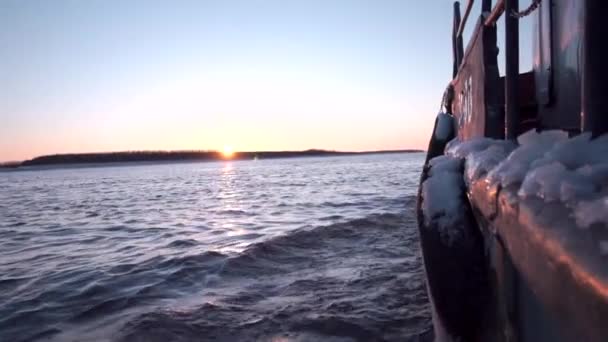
point(5, 162)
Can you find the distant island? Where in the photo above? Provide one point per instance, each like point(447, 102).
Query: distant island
point(176, 156)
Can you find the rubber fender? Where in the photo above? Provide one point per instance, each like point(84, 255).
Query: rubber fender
point(443, 131)
point(456, 271)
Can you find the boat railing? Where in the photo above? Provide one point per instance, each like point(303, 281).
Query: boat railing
point(497, 11)
point(490, 15)
point(583, 112)
point(465, 17)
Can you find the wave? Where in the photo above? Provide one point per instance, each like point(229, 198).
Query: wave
point(183, 243)
point(349, 281)
point(354, 280)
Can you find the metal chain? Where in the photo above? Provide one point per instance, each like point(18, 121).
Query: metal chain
point(533, 6)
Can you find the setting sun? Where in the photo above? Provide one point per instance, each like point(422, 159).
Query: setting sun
point(227, 152)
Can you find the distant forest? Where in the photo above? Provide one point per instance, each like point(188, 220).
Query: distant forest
point(168, 156)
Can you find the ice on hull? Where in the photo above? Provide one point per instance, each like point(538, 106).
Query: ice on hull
point(546, 200)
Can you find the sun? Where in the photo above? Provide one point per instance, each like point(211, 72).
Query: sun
point(227, 152)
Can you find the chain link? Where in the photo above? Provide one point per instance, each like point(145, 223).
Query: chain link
point(533, 6)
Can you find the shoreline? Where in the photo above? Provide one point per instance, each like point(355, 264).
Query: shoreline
point(94, 160)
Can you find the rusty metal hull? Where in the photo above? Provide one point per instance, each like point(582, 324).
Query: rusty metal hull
point(548, 280)
point(555, 277)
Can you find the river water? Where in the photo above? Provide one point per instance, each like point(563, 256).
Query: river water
point(301, 249)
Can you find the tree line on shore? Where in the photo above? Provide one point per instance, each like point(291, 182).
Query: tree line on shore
point(166, 156)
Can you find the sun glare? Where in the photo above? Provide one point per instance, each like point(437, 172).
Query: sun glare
point(227, 152)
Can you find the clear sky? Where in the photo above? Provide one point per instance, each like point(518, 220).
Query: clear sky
point(108, 75)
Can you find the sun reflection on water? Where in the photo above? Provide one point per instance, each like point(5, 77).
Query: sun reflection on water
point(229, 196)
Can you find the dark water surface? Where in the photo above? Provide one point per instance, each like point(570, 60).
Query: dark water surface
point(307, 249)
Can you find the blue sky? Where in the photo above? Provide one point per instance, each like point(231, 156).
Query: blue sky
point(93, 75)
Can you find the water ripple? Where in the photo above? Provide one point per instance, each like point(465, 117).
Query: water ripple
point(297, 250)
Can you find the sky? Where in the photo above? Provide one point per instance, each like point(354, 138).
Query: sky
point(109, 75)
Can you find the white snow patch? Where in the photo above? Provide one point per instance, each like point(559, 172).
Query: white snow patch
point(442, 164)
point(576, 152)
point(574, 172)
point(546, 165)
point(532, 137)
point(480, 163)
point(533, 146)
point(458, 149)
point(442, 204)
point(575, 187)
point(597, 174)
point(588, 213)
point(544, 182)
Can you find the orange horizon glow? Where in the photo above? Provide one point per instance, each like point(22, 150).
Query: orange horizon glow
point(227, 152)
point(359, 88)
point(392, 141)
point(50, 148)
point(344, 78)
point(269, 116)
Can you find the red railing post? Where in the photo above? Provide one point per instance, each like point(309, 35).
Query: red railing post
point(512, 69)
point(457, 48)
